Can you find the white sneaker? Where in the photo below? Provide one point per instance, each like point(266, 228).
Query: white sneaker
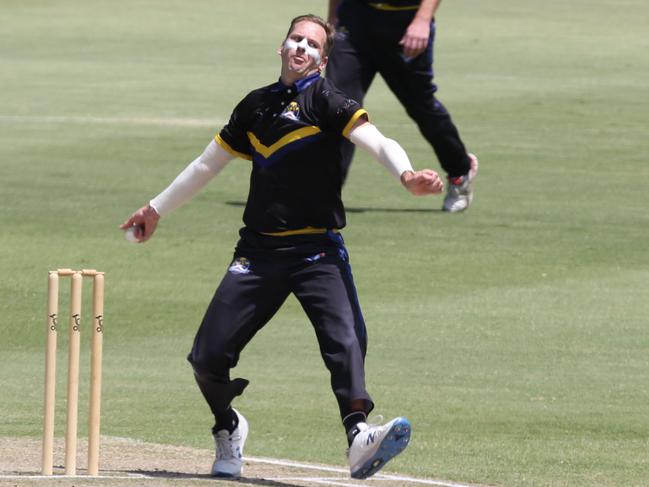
point(460, 189)
point(229, 450)
point(375, 445)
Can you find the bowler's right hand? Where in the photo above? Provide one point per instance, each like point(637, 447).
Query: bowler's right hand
point(145, 221)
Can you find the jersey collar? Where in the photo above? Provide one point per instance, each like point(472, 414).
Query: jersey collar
point(299, 85)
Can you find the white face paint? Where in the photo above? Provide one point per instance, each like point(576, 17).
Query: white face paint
point(310, 51)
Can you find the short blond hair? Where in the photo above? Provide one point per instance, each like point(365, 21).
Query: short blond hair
point(328, 28)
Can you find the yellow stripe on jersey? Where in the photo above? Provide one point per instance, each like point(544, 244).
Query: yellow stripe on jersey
point(229, 149)
point(392, 8)
point(284, 141)
point(348, 128)
point(300, 231)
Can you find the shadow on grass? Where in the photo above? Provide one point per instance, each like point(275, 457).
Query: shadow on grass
point(364, 209)
point(166, 474)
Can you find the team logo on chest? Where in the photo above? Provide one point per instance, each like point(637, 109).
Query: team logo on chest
point(240, 265)
point(292, 111)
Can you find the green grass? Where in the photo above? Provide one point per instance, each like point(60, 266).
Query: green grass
point(514, 336)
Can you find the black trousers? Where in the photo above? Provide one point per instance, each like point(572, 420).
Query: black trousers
point(265, 270)
point(367, 42)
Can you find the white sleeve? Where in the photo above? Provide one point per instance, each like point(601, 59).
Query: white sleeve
point(387, 151)
point(189, 182)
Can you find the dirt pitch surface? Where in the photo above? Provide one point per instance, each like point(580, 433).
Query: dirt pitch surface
point(130, 463)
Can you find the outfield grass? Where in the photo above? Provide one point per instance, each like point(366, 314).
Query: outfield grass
point(514, 336)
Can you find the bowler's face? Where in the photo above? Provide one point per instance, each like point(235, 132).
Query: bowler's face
point(303, 50)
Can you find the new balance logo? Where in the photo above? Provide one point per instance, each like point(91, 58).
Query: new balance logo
point(370, 438)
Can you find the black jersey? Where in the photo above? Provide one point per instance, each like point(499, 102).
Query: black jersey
point(393, 5)
point(292, 135)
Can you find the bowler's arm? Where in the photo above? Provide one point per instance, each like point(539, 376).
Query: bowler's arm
point(391, 155)
point(189, 182)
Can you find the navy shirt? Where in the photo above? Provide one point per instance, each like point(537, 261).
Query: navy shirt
point(292, 135)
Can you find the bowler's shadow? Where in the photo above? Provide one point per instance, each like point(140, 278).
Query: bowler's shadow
point(166, 474)
point(364, 209)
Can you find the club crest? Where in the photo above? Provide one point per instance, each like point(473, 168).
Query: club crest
point(240, 265)
point(292, 111)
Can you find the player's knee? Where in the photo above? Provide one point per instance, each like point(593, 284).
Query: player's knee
point(214, 366)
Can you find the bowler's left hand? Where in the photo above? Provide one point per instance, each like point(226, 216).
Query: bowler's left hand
point(421, 183)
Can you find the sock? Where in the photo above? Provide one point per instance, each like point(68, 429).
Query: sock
point(228, 420)
point(350, 422)
point(456, 181)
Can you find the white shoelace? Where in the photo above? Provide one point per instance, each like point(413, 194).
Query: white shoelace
point(225, 446)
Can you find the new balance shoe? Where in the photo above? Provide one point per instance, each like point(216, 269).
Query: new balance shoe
point(375, 445)
point(229, 450)
point(460, 190)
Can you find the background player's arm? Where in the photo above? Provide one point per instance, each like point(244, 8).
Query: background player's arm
point(332, 16)
point(189, 182)
point(415, 39)
point(389, 153)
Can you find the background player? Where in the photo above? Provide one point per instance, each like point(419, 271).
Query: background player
point(395, 38)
